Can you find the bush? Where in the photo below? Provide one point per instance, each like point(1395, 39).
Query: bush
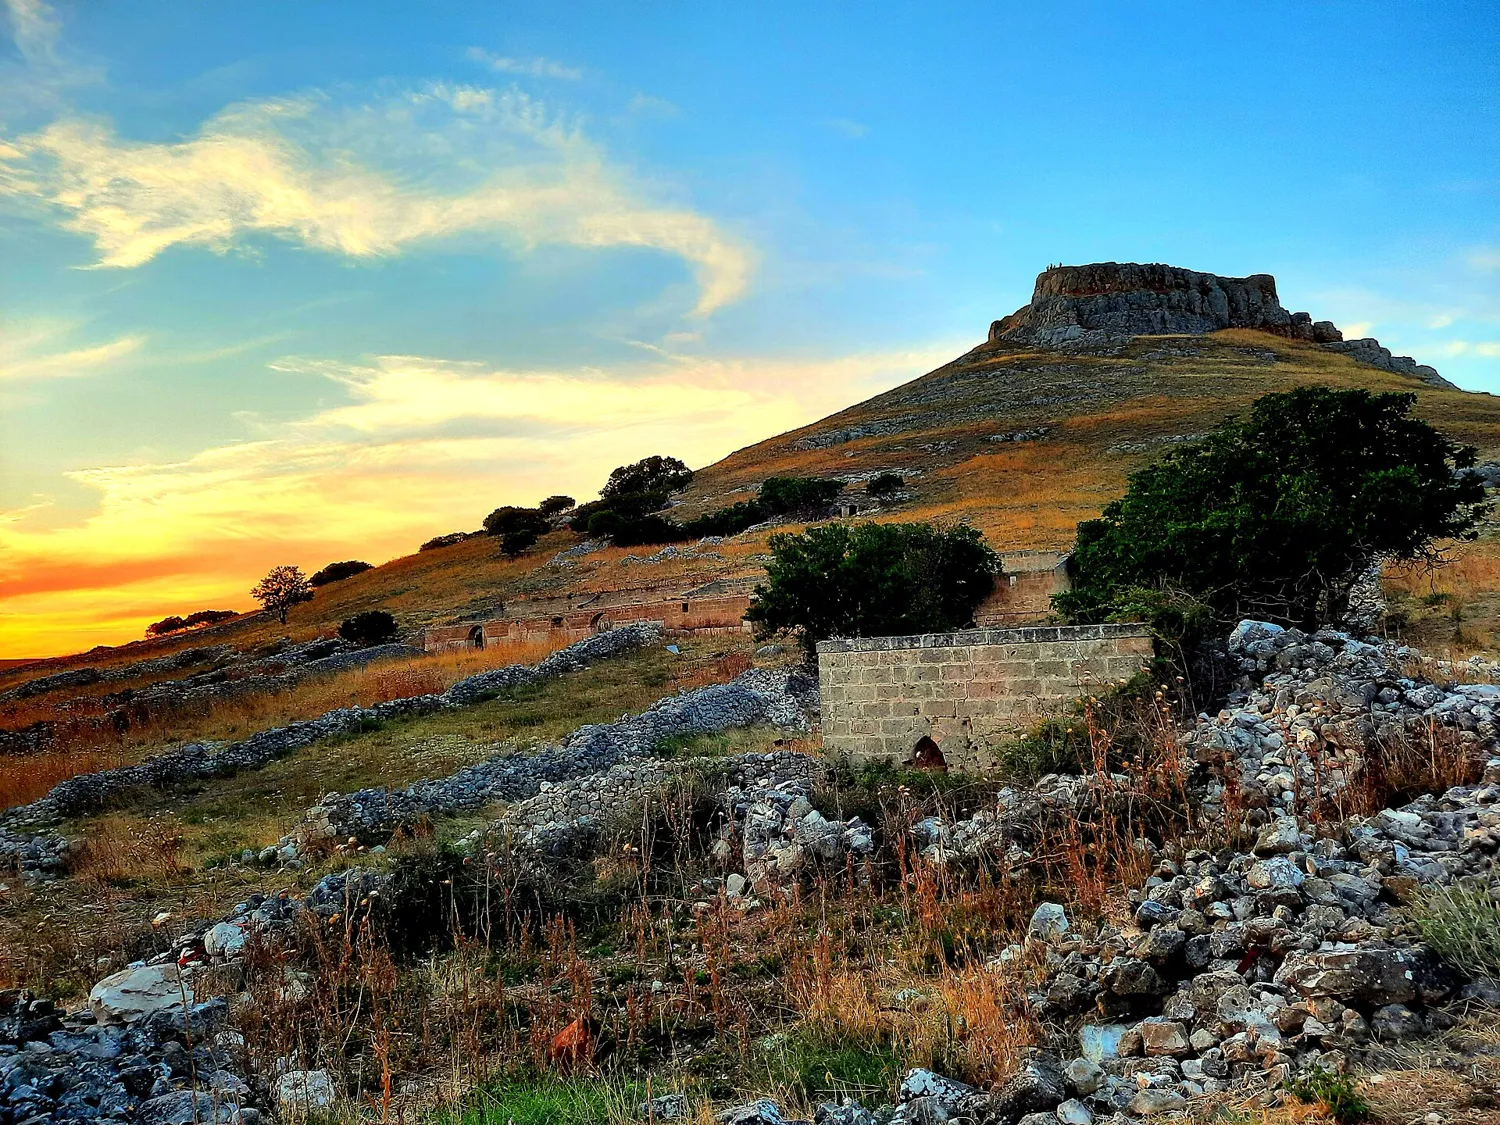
point(518, 541)
point(781, 495)
point(873, 580)
point(634, 531)
point(886, 484)
point(555, 504)
point(1334, 1091)
point(209, 617)
point(373, 627)
point(165, 625)
point(337, 572)
point(726, 521)
point(1461, 922)
point(651, 475)
point(439, 541)
point(1278, 515)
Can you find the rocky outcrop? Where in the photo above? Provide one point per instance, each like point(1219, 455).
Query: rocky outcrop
point(1107, 303)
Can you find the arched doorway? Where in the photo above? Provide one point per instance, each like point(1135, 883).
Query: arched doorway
point(476, 637)
point(600, 623)
point(927, 755)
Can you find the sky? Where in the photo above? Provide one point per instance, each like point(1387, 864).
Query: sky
point(290, 282)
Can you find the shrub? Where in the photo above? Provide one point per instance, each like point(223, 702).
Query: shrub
point(554, 504)
point(518, 541)
point(337, 572)
point(282, 588)
point(440, 541)
point(780, 495)
point(373, 627)
point(635, 531)
point(886, 484)
point(1334, 1091)
point(873, 580)
point(1461, 922)
point(209, 617)
point(726, 521)
point(1278, 515)
point(165, 625)
point(651, 475)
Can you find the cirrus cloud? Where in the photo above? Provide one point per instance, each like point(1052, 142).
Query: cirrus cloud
point(363, 181)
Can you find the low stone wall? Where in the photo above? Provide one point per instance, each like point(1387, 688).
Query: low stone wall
point(722, 613)
point(966, 692)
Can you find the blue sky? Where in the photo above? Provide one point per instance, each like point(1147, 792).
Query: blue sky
point(294, 282)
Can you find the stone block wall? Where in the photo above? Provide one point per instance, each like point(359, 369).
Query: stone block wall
point(967, 692)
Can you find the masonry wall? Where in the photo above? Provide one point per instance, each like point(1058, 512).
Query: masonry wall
point(969, 691)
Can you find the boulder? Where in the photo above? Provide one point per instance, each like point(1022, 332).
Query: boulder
point(1374, 977)
point(132, 995)
point(1164, 1037)
point(303, 1093)
point(1049, 922)
point(1037, 1086)
point(224, 940)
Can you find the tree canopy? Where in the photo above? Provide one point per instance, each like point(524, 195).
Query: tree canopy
point(282, 588)
point(873, 579)
point(1277, 515)
point(649, 475)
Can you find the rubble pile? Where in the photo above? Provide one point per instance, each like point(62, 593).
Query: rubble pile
point(1308, 708)
point(756, 696)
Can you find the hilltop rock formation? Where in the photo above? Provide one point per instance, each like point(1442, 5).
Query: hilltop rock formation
point(1109, 302)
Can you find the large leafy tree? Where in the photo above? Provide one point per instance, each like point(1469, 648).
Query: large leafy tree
point(649, 476)
point(873, 579)
point(1278, 514)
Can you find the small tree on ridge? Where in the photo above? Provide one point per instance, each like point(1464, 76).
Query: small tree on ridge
point(282, 588)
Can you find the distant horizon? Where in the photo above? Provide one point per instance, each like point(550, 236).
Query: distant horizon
point(293, 283)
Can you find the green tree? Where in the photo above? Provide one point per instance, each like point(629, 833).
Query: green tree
point(873, 579)
point(1277, 515)
point(885, 484)
point(649, 475)
point(503, 521)
point(554, 504)
point(282, 588)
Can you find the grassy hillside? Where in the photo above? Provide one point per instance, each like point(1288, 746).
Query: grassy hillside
point(1102, 417)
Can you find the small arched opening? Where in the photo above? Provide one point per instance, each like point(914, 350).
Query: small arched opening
point(599, 623)
point(927, 755)
point(476, 637)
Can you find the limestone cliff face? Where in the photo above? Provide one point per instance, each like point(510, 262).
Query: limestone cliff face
point(1109, 302)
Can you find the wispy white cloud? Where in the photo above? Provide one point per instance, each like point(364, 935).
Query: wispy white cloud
point(33, 27)
point(41, 350)
point(1489, 349)
point(534, 67)
point(846, 128)
point(364, 181)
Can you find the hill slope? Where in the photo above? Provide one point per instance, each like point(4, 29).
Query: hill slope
point(1020, 440)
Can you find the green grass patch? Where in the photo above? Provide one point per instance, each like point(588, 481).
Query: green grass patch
point(1332, 1090)
point(823, 1070)
point(544, 1099)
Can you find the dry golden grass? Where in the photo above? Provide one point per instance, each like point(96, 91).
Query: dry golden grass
point(84, 746)
point(24, 779)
